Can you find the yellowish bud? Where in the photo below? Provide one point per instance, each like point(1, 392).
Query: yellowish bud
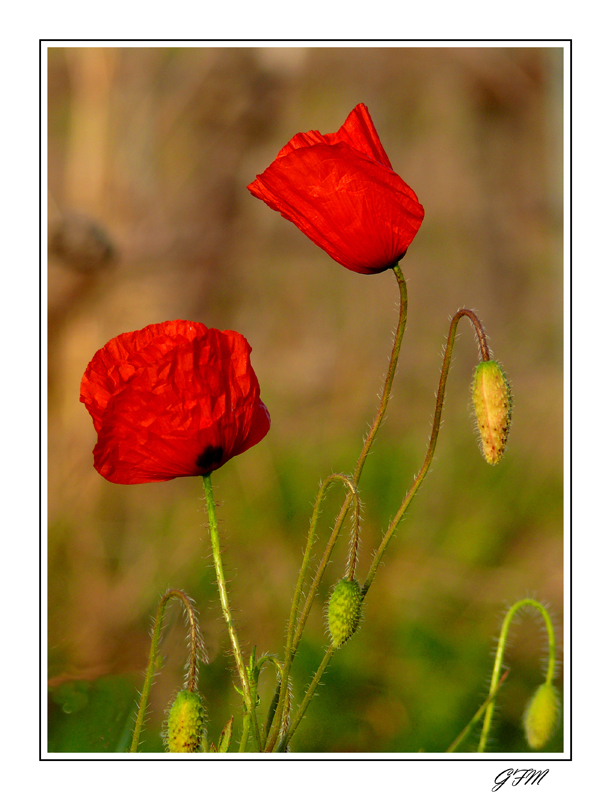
point(185, 724)
point(541, 716)
point(344, 611)
point(492, 404)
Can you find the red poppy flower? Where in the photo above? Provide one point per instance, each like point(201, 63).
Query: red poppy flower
point(341, 191)
point(172, 400)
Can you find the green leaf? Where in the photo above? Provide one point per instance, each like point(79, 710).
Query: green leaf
point(225, 737)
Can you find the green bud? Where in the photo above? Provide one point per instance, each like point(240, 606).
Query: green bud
point(492, 404)
point(541, 716)
point(344, 611)
point(184, 728)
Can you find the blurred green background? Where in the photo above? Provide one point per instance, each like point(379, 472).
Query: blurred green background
point(150, 152)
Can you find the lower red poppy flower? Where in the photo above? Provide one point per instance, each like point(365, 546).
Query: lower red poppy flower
point(172, 400)
point(341, 191)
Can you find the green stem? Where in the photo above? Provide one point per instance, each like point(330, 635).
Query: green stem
point(222, 587)
point(293, 637)
point(500, 650)
point(306, 700)
point(469, 727)
point(194, 649)
point(445, 369)
point(394, 357)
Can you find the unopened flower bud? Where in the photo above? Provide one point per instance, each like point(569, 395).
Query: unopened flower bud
point(492, 404)
point(184, 729)
point(541, 716)
point(344, 611)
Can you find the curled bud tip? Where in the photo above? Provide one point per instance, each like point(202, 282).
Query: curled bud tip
point(344, 611)
point(184, 728)
point(541, 716)
point(492, 404)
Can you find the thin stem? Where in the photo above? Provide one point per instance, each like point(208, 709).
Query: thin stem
point(325, 560)
point(245, 732)
point(195, 646)
point(394, 358)
point(479, 330)
point(222, 587)
point(306, 700)
point(500, 650)
point(385, 396)
point(474, 719)
point(293, 637)
point(366, 446)
point(445, 369)
point(353, 497)
point(354, 552)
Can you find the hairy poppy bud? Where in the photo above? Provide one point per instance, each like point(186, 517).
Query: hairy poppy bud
point(492, 404)
point(344, 611)
point(541, 716)
point(184, 729)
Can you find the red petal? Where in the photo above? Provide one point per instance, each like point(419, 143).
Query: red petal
point(360, 212)
point(357, 131)
point(188, 402)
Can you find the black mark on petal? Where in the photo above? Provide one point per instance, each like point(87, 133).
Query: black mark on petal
point(209, 459)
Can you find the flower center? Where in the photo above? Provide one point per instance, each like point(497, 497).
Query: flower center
point(209, 458)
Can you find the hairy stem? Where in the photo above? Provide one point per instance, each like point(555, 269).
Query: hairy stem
point(194, 650)
point(306, 700)
point(292, 644)
point(224, 598)
point(500, 651)
point(366, 448)
point(293, 637)
point(441, 391)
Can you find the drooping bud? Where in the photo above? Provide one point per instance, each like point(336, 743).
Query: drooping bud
point(344, 611)
point(184, 728)
point(492, 404)
point(541, 716)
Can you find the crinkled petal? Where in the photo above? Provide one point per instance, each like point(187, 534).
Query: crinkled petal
point(360, 212)
point(189, 403)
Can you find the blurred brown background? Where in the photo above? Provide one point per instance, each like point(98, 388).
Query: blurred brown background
point(150, 152)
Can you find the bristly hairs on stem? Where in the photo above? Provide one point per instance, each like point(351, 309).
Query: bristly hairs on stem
point(517, 607)
point(250, 717)
point(197, 652)
point(439, 401)
point(295, 627)
point(386, 391)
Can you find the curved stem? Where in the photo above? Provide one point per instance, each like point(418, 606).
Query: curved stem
point(293, 637)
point(222, 587)
point(325, 560)
point(445, 369)
point(195, 648)
point(351, 497)
point(500, 650)
point(385, 396)
point(394, 358)
point(479, 330)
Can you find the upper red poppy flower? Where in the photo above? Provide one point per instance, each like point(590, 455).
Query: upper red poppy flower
point(341, 191)
point(172, 400)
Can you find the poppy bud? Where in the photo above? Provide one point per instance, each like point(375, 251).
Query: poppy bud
point(184, 728)
point(492, 404)
point(541, 716)
point(344, 611)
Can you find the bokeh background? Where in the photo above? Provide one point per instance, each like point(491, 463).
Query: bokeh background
point(150, 151)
